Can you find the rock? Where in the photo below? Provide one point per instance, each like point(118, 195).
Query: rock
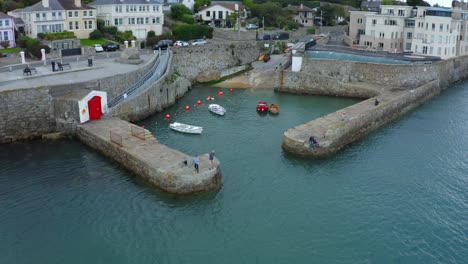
point(207, 76)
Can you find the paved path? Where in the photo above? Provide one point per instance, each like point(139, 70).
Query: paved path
point(79, 71)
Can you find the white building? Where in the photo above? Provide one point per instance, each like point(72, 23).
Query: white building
point(139, 16)
point(422, 30)
point(50, 16)
point(217, 14)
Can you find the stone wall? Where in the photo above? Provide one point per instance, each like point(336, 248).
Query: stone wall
point(334, 134)
point(25, 114)
point(191, 61)
point(251, 35)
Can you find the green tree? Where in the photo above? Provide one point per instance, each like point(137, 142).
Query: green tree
point(100, 25)
point(151, 34)
point(417, 3)
point(269, 11)
point(248, 3)
point(200, 3)
point(179, 10)
point(232, 19)
point(328, 15)
point(281, 21)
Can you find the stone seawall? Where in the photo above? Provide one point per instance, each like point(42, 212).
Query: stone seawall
point(159, 165)
point(211, 59)
point(399, 88)
point(333, 134)
point(25, 114)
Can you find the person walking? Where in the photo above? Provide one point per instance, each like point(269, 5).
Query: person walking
point(196, 163)
point(376, 103)
point(212, 153)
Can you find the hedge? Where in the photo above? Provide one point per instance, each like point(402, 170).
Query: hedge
point(57, 35)
point(188, 32)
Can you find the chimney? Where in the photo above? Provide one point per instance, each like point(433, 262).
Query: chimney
point(78, 3)
point(302, 6)
point(45, 3)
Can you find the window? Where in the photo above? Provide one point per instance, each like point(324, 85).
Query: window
point(86, 24)
point(90, 24)
point(131, 21)
point(438, 50)
point(441, 27)
point(157, 20)
point(53, 14)
point(85, 13)
point(374, 21)
point(70, 14)
point(440, 39)
point(155, 7)
point(37, 16)
point(431, 50)
point(220, 14)
point(433, 27)
point(154, 20)
point(5, 35)
point(424, 50)
point(70, 25)
point(1, 23)
point(76, 14)
point(59, 14)
point(408, 46)
point(208, 13)
point(146, 20)
point(7, 23)
point(409, 35)
point(401, 12)
point(391, 36)
point(448, 27)
point(90, 13)
point(432, 38)
point(77, 25)
point(44, 15)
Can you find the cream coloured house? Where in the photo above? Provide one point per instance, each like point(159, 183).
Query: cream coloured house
point(49, 16)
point(217, 14)
point(431, 31)
point(139, 16)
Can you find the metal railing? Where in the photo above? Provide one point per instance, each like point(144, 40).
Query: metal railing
point(158, 69)
point(116, 138)
point(138, 132)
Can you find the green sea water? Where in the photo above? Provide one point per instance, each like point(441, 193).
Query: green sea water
point(400, 195)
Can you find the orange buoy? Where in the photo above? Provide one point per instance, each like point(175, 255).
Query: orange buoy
point(187, 107)
point(199, 102)
point(168, 116)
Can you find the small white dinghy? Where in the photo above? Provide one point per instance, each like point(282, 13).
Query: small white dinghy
point(184, 128)
point(217, 109)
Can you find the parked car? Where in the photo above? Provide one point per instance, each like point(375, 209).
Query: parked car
point(163, 44)
point(281, 35)
point(98, 48)
point(110, 47)
point(198, 42)
point(264, 37)
point(181, 43)
point(251, 26)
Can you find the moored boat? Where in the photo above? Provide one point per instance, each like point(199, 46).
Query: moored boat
point(217, 109)
point(262, 107)
point(184, 128)
point(274, 109)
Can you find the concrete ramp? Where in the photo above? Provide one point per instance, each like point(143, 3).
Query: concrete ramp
point(139, 151)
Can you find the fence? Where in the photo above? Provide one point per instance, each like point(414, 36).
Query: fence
point(116, 138)
point(152, 75)
point(138, 132)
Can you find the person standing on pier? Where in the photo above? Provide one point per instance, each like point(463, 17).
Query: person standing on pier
point(212, 153)
point(343, 116)
point(196, 163)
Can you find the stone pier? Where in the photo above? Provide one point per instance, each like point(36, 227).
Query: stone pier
point(141, 154)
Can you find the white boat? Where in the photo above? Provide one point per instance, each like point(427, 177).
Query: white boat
point(186, 128)
point(217, 109)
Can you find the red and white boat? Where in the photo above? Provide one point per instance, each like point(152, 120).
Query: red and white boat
point(262, 107)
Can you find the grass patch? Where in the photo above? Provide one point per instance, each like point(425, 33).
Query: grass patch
point(91, 42)
point(10, 50)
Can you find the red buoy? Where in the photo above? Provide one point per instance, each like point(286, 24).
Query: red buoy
point(232, 90)
point(168, 116)
point(187, 107)
point(221, 93)
point(199, 102)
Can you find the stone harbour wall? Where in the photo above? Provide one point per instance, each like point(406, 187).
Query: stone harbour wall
point(192, 61)
point(25, 114)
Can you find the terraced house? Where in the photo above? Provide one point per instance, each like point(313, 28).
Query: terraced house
point(49, 16)
point(139, 16)
point(7, 30)
point(422, 30)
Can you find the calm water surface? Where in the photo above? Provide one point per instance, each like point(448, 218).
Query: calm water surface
point(398, 196)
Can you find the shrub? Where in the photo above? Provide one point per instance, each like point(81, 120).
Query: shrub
point(151, 34)
point(111, 30)
point(56, 35)
point(179, 10)
point(5, 44)
point(311, 30)
point(35, 49)
point(189, 19)
point(187, 32)
point(96, 34)
point(126, 35)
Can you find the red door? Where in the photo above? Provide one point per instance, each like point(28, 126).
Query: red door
point(94, 106)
